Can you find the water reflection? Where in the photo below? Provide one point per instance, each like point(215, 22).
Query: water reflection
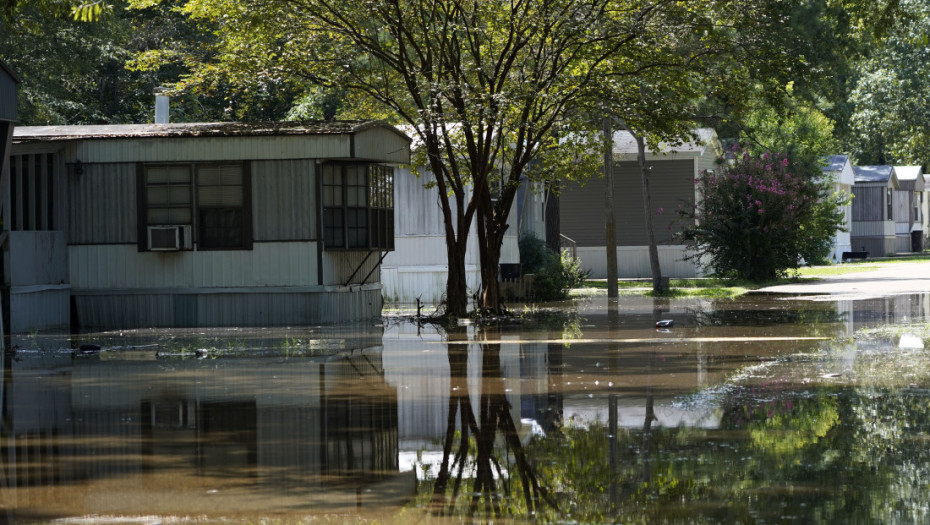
point(757, 409)
point(92, 434)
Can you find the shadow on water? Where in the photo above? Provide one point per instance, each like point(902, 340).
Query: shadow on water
point(748, 410)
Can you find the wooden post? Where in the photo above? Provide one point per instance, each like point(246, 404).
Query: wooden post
point(609, 221)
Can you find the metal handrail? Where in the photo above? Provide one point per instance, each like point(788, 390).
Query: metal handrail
point(568, 242)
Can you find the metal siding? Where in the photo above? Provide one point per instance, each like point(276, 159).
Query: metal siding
point(46, 310)
point(102, 204)
point(284, 200)
point(876, 246)
point(868, 203)
point(382, 145)
point(582, 212)
point(902, 243)
point(227, 309)
point(873, 229)
point(582, 208)
point(38, 258)
point(404, 284)
point(105, 267)
point(633, 262)
point(189, 149)
point(416, 209)
point(902, 208)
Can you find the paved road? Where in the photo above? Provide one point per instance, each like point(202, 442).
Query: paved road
point(885, 279)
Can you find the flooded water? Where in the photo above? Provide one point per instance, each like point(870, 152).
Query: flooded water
point(755, 410)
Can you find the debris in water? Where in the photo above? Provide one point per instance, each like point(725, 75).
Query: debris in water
point(665, 323)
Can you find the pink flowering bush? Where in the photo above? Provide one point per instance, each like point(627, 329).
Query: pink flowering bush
point(760, 216)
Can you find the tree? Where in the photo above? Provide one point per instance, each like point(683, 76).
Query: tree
point(485, 87)
point(890, 123)
point(761, 216)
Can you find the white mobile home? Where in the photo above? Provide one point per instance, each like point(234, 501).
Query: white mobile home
point(418, 268)
point(840, 169)
point(674, 169)
point(224, 224)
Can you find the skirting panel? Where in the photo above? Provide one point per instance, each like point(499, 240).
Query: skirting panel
point(45, 311)
point(633, 262)
point(183, 310)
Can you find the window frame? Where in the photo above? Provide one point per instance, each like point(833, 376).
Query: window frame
point(195, 207)
point(365, 227)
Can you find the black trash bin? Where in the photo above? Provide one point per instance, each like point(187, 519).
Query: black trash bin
point(917, 241)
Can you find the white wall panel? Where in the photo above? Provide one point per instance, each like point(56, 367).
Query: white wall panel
point(633, 262)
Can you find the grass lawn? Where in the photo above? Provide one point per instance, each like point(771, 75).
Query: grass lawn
point(716, 287)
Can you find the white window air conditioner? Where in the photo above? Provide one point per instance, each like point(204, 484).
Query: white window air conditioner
point(169, 238)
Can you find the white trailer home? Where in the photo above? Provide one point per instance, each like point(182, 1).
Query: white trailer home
point(418, 268)
point(223, 224)
point(840, 169)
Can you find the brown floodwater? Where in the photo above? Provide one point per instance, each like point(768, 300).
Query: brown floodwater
point(758, 409)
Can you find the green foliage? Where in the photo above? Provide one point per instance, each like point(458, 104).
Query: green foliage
point(761, 216)
point(797, 129)
point(555, 274)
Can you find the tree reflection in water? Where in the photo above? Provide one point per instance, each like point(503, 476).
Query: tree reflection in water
point(470, 454)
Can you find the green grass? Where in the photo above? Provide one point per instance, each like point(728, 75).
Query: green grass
point(709, 287)
point(717, 287)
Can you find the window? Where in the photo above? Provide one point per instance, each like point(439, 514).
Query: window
point(889, 198)
point(917, 198)
point(211, 200)
point(358, 207)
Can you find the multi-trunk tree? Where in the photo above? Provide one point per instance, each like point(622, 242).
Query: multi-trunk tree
point(484, 87)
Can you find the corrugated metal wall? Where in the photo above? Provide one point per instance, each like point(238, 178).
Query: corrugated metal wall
point(191, 149)
point(40, 309)
point(671, 183)
point(873, 229)
point(902, 209)
point(103, 206)
point(284, 200)
point(633, 262)
point(381, 145)
point(869, 203)
point(104, 202)
point(173, 309)
point(120, 266)
point(876, 246)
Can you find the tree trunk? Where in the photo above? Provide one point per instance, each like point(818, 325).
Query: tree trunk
point(489, 248)
point(659, 285)
point(456, 281)
point(609, 222)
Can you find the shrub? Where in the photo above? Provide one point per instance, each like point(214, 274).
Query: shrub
point(760, 216)
point(555, 273)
